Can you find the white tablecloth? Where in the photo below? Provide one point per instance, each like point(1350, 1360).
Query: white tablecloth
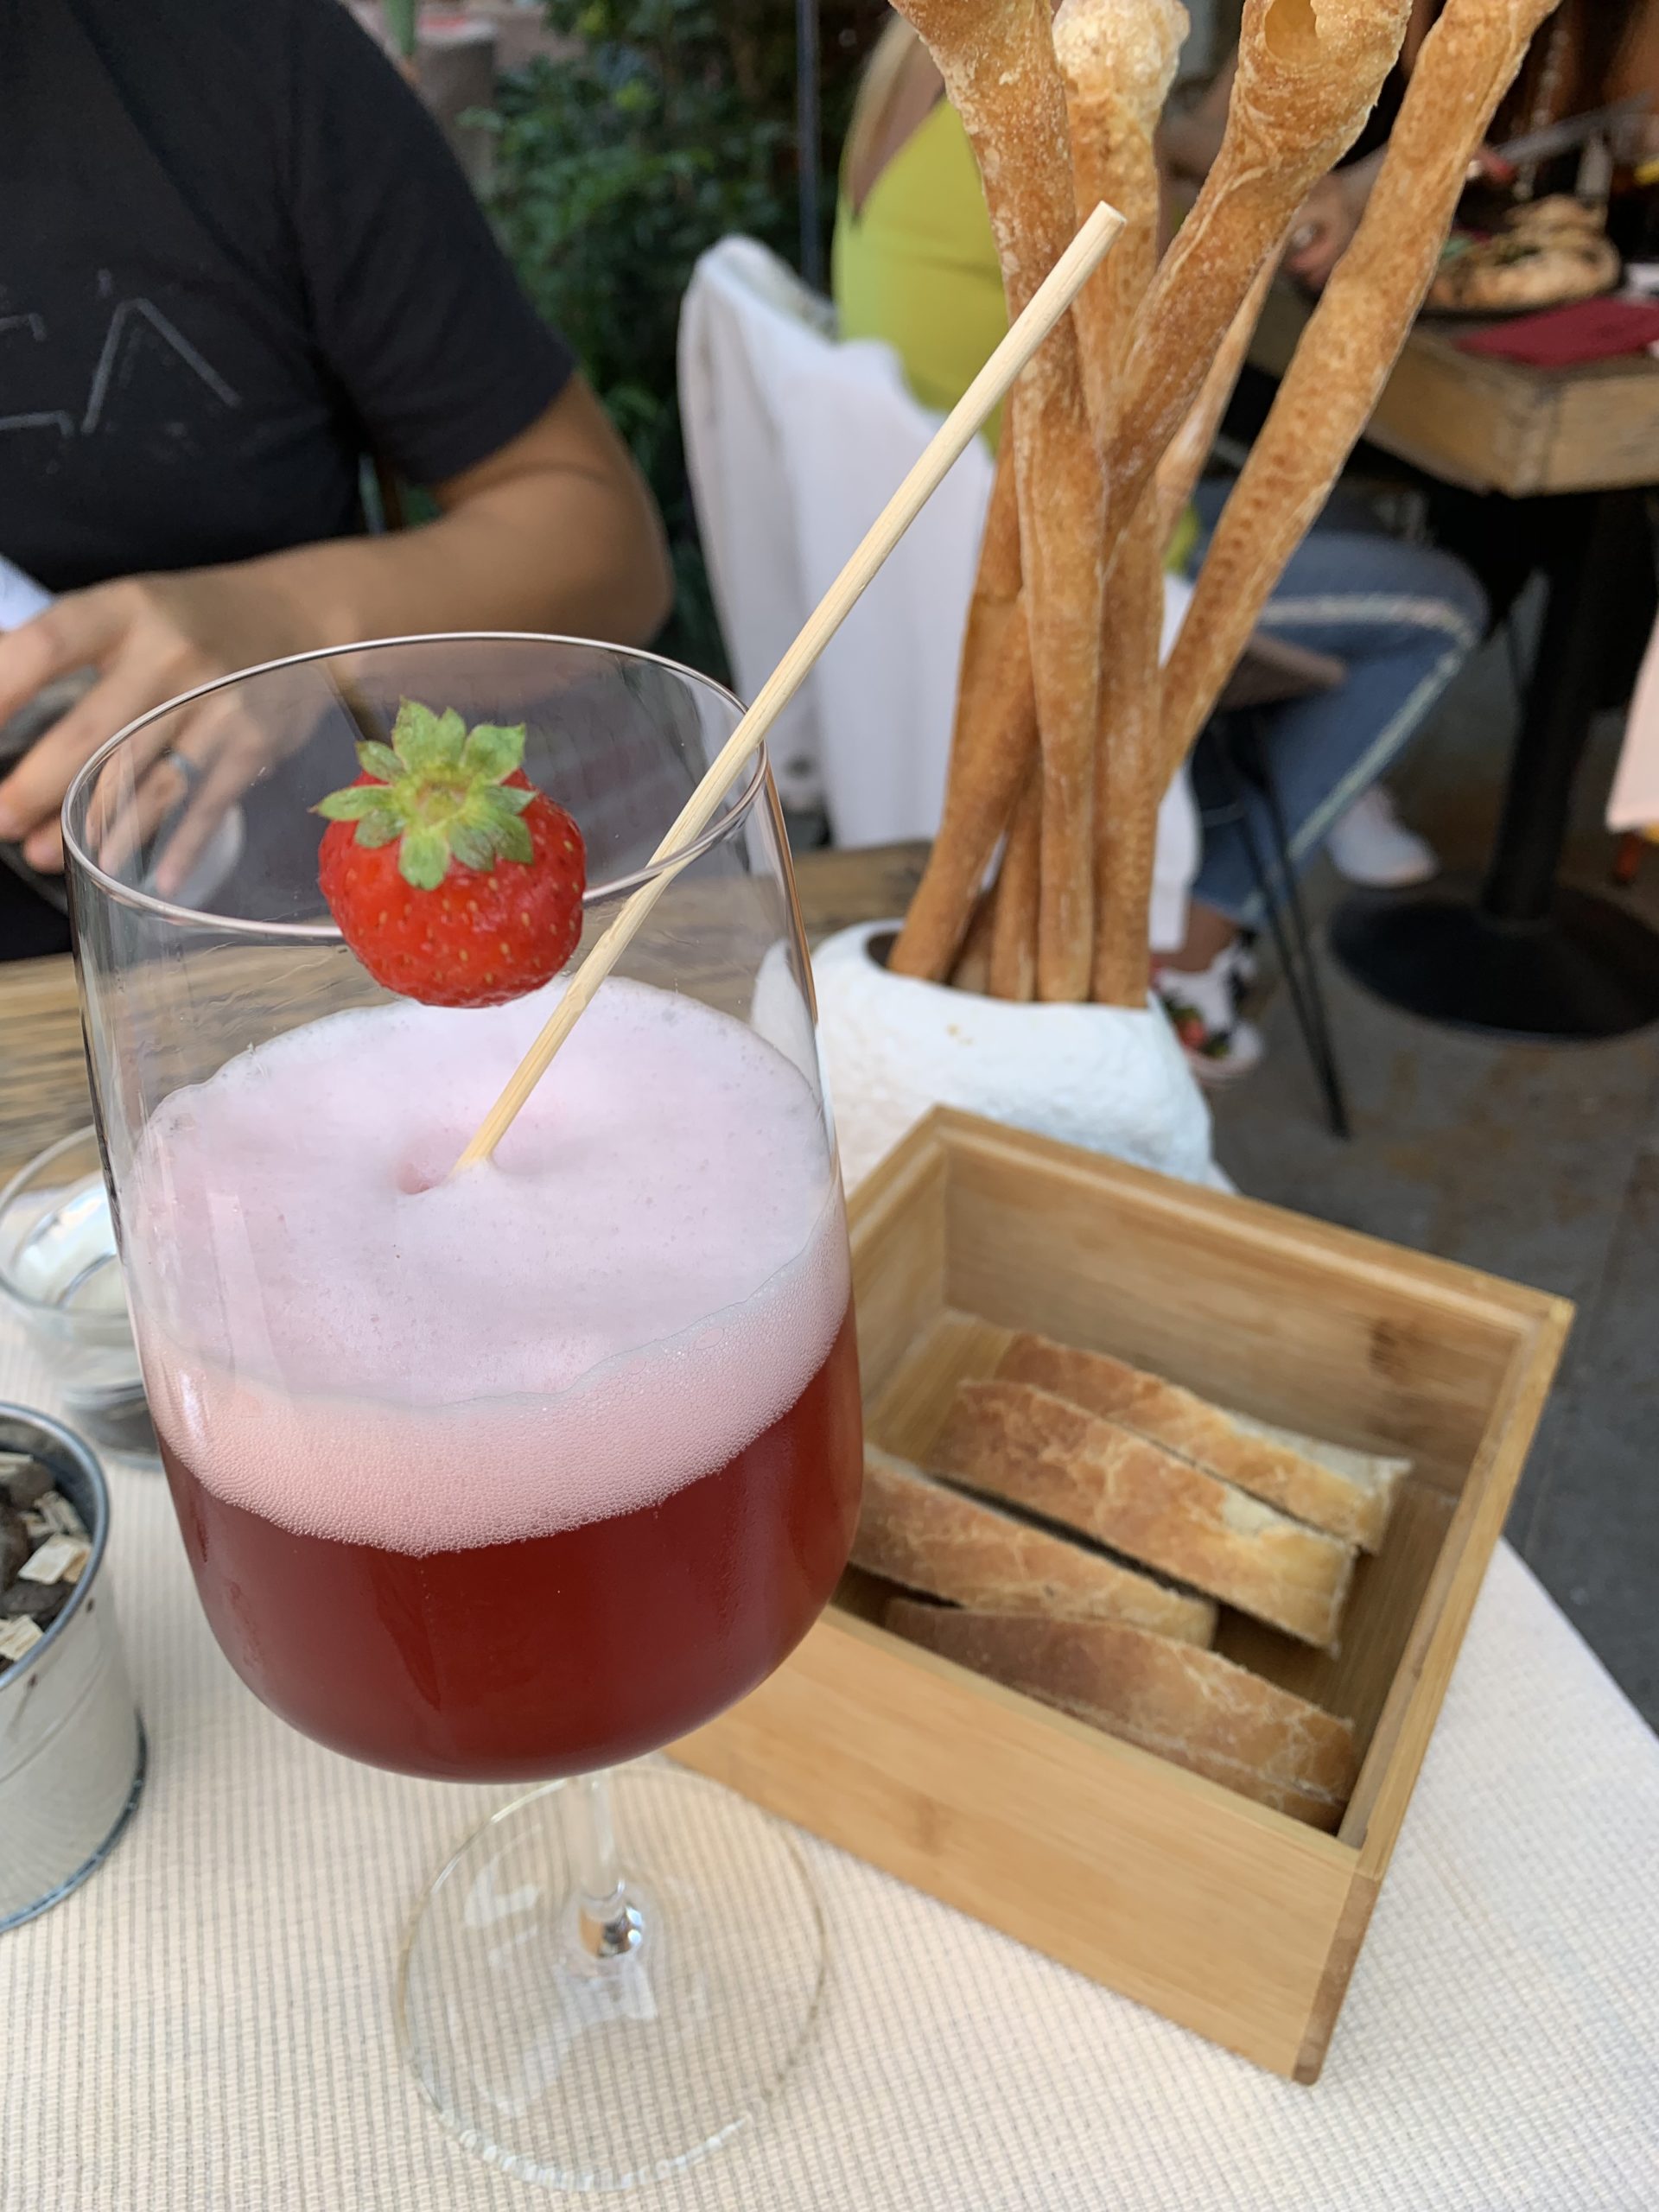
point(207, 2026)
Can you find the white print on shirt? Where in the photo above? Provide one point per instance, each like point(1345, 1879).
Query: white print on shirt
point(136, 329)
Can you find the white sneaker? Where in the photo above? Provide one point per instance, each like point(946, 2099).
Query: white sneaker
point(1371, 846)
point(1200, 1006)
point(1242, 967)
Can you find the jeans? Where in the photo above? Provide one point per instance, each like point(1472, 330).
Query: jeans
point(1402, 619)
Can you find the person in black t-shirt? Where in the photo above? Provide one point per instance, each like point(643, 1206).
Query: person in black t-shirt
point(238, 258)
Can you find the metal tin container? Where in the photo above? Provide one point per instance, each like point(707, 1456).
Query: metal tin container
point(72, 1748)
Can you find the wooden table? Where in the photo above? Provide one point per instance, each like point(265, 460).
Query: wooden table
point(1497, 426)
point(43, 1070)
point(1525, 956)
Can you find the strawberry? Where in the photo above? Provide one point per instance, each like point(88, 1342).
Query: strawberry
point(451, 878)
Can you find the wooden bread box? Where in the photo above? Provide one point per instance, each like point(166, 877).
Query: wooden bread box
point(1235, 1920)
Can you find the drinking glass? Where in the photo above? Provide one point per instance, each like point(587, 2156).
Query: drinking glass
point(61, 1274)
point(516, 1475)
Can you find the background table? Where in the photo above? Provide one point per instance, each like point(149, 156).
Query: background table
point(207, 2026)
point(1527, 956)
point(43, 1068)
point(1497, 426)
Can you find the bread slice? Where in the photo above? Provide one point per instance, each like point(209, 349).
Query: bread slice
point(927, 1536)
point(1010, 1441)
point(1381, 1473)
point(1186, 1704)
point(1348, 1494)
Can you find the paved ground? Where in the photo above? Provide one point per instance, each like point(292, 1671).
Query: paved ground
point(1539, 1164)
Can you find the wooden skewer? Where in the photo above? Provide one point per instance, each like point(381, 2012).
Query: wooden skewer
point(1047, 304)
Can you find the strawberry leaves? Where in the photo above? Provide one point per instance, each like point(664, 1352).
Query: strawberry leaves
point(441, 792)
point(355, 803)
point(380, 762)
point(493, 751)
point(427, 743)
point(423, 859)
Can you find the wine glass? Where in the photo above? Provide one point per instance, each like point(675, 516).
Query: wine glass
point(518, 1474)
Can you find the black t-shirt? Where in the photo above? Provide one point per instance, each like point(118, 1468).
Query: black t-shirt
point(236, 256)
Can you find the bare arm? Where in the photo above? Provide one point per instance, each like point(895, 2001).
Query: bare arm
point(1324, 230)
point(555, 531)
point(1636, 69)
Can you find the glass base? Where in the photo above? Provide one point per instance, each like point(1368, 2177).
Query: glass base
point(607, 2074)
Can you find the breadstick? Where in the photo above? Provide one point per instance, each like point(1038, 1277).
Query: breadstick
point(1118, 59)
point(1177, 475)
point(987, 752)
point(1309, 73)
point(1306, 78)
point(1128, 787)
point(1062, 530)
point(997, 59)
point(993, 738)
point(973, 969)
point(1350, 346)
point(1013, 931)
point(995, 731)
point(1117, 62)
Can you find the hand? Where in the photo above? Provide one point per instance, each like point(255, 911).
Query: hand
point(150, 639)
point(556, 530)
point(1488, 166)
point(1325, 225)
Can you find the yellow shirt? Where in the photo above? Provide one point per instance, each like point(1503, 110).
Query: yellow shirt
point(917, 267)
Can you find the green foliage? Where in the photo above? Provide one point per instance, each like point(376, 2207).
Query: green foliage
point(400, 16)
point(670, 124)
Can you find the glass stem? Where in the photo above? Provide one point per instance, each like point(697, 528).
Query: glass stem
point(606, 1925)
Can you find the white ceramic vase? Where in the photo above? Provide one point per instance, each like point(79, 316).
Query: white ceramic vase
point(1111, 1079)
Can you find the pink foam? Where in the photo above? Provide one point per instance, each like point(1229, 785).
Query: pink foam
point(336, 1338)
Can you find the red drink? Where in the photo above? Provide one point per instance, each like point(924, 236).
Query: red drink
point(506, 1662)
point(525, 1472)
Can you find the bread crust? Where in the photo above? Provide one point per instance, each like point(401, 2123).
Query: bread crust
point(1178, 472)
point(1012, 1441)
point(926, 1536)
point(1118, 59)
point(1175, 1699)
point(1014, 921)
point(997, 60)
point(1309, 73)
point(993, 741)
point(1338, 1498)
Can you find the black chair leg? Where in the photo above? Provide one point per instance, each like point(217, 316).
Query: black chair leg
point(1237, 814)
point(1286, 917)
